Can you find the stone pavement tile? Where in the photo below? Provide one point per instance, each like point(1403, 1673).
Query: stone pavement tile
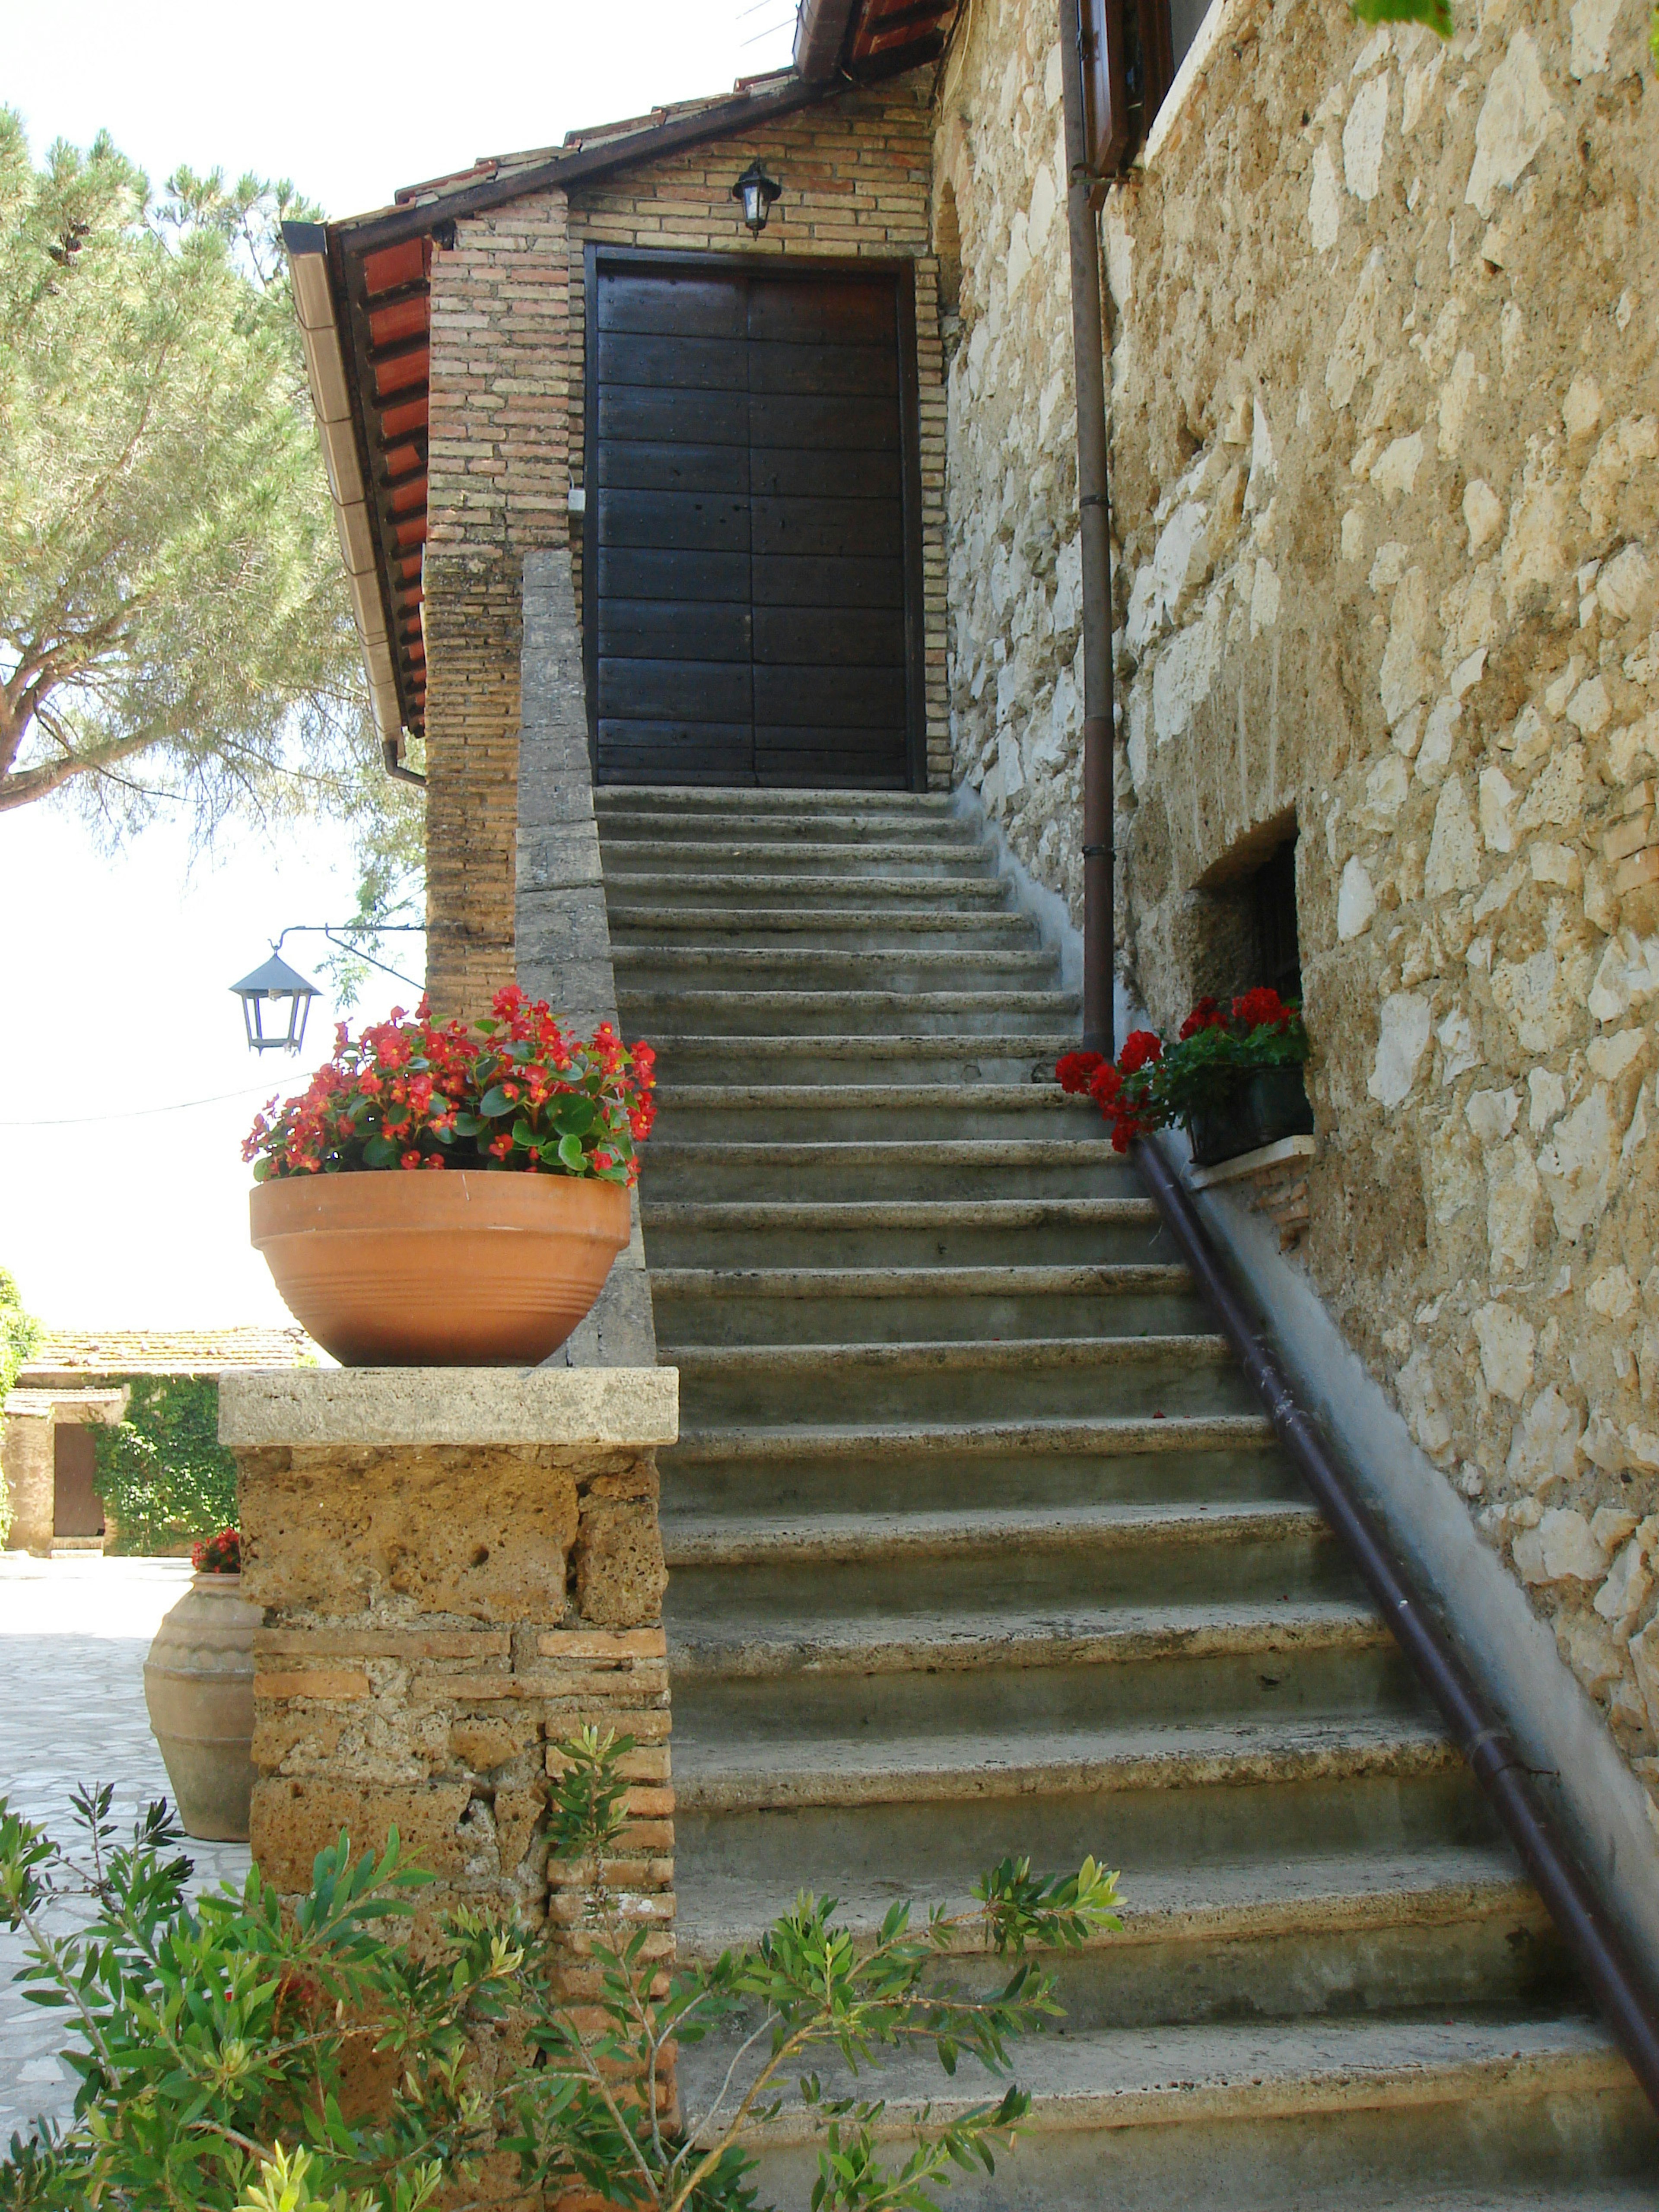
point(73, 1636)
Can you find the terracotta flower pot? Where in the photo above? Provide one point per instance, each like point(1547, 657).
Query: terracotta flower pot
point(198, 1686)
point(461, 1269)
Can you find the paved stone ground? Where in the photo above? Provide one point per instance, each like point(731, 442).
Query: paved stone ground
point(73, 1636)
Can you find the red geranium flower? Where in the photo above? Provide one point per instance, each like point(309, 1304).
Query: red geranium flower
point(1261, 1009)
point(1140, 1049)
point(1073, 1069)
point(1205, 1014)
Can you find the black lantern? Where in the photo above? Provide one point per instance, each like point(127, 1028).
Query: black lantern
point(263, 991)
point(758, 192)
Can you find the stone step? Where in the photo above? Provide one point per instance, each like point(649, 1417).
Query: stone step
point(870, 851)
point(1095, 1530)
point(905, 1233)
point(931, 1013)
point(753, 1112)
point(870, 1306)
point(713, 1058)
point(846, 1567)
point(1447, 1923)
point(743, 800)
point(718, 1772)
point(848, 930)
point(818, 1688)
point(658, 967)
point(833, 829)
point(1484, 2114)
point(698, 889)
point(789, 1470)
point(927, 1168)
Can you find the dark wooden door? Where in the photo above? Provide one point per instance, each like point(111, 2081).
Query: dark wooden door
point(77, 1509)
point(752, 616)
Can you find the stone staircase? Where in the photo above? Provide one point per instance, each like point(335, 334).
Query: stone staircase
point(979, 1545)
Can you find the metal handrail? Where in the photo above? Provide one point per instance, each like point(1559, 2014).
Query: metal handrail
point(1621, 1987)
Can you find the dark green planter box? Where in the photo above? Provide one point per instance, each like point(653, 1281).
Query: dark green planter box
point(1269, 1103)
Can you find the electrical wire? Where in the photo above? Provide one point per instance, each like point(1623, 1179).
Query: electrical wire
point(141, 1113)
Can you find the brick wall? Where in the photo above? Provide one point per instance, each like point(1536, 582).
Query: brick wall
point(856, 177)
point(507, 306)
point(498, 477)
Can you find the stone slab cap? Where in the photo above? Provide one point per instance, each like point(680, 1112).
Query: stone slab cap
point(610, 1408)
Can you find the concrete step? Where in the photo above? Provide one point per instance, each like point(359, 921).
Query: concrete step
point(698, 889)
point(931, 1013)
point(918, 1168)
point(867, 850)
point(820, 1306)
point(660, 967)
point(906, 1233)
point(753, 1112)
point(1413, 2113)
point(848, 930)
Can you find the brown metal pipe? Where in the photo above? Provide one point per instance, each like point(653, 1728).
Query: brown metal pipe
point(1620, 1987)
point(1089, 354)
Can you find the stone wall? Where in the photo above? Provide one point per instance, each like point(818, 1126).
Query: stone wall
point(459, 1569)
point(1015, 563)
point(855, 173)
point(1386, 481)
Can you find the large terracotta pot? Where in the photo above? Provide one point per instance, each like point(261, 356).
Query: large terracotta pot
point(198, 1685)
point(461, 1269)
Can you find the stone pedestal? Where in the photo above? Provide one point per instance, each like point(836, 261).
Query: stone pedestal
point(458, 1568)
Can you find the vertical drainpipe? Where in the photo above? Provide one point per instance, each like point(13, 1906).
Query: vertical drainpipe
point(1088, 346)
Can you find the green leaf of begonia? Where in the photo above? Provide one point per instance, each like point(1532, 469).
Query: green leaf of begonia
point(379, 1152)
point(496, 1102)
point(571, 1153)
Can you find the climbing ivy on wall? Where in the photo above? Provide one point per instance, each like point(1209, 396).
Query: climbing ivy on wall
point(163, 1473)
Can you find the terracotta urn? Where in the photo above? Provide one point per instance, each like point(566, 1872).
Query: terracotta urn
point(461, 1269)
point(198, 1685)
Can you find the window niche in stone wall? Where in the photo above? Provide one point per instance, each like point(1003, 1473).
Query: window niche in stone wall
point(1239, 924)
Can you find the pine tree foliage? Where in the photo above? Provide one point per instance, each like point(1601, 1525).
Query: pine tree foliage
point(173, 619)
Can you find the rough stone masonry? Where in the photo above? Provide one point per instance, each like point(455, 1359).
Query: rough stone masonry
point(459, 1569)
point(1385, 451)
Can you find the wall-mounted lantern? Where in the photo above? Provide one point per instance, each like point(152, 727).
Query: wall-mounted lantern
point(264, 995)
point(758, 192)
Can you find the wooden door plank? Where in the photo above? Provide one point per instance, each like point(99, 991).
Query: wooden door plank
point(672, 364)
point(791, 472)
point(646, 465)
point(843, 528)
point(798, 695)
point(644, 573)
point(675, 690)
point(779, 419)
point(829, 310)
point(865, 638)
point(788, 580)
point(693, 418)
point(814, 371)
point(703, 522)
point(658, 630)
point(675, 304)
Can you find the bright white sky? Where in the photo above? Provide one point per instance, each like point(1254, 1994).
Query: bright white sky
point(115, 972)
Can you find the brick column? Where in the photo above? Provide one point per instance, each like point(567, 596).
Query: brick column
point(460, 1567)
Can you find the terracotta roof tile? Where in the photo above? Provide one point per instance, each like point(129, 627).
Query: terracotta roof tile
point(164, 1351)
